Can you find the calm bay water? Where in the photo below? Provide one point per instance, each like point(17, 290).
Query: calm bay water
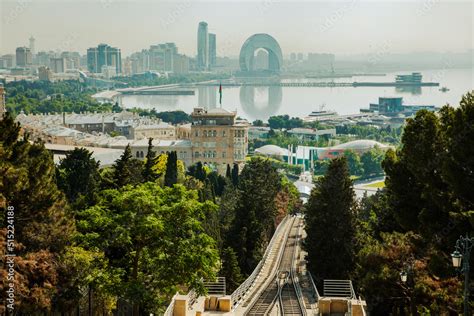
point(262, 102)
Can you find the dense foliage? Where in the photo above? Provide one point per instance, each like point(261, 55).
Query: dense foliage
point(411, 225)
point(150, 79)
point(43, 226)
point(330, 224)
point(423, 210)
point(48, 97)
point(136, 228)
point(284, 121)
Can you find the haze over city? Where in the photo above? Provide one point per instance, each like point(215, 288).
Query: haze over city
point(340, 27)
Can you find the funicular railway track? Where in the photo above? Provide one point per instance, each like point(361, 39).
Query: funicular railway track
point(282, 288)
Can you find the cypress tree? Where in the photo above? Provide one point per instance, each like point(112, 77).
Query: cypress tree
point(148, 174)
point(122, 173)
point(255, 212)
point(231, 270)
point(171, 175)
point(330, 224)
point(228, 173)
point(235, 175)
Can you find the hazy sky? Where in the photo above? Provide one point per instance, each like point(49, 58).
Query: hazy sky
point(299, 26)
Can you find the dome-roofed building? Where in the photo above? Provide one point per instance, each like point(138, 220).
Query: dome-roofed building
point(360, 144)
point(271, 150)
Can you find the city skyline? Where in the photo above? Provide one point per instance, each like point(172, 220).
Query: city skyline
point(315, 27)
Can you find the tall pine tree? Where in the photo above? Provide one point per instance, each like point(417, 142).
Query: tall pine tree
point(149, 175)
point(42, 224)
point(330, 224)
point(78, 176)
point(171, 174)
point(127, 170)
point(122, 172)
point(235, 174)
point(228, 172)
point(255, 212)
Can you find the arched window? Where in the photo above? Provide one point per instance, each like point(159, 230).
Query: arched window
point(141, 154)
point(205, 133)
point(138, 154)
point(214, 154)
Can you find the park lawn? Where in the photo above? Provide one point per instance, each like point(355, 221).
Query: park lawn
point(378, 185)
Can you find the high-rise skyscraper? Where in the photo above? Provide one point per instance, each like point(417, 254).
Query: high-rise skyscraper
point(212, 49)
point(58, 64)
point(23, 57)
point(202, 47)
point(104, 55)
point(32, 45)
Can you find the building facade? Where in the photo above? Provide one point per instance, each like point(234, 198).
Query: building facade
point(212, 50)
point(158, 130)
point(7, 61)
point(45, 74)
point(202, 47)
point(214, 137)
point(104, 55)
point(58, 64)
point(24, 57)
point(32, 45)
point(180, 64)
point(218, 138)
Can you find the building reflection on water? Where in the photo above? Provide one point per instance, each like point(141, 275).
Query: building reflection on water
point(256, 111)
point(207, 96)
point(412, 90)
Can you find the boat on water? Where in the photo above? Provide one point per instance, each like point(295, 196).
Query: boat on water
point(321, 115)
point(444, 89)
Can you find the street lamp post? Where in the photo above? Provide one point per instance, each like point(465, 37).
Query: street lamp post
point(407, 277)
point(462, 255)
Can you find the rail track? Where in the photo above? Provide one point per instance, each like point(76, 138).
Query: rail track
point(283, 287)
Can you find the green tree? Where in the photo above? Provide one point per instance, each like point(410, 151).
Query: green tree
point(122, 168)
point(127, 170)
point(230, 270)
point(171, 174)
point(235, 174)
point(43, 225)
point(458, 164)
point(137, 229)
point(330, 224)
point(197, 171)
point(255, 212)
point(78, 176)
point(257, 123)
point(228, 172)
point(354, 163)
point(149, 174)
point(371, 162)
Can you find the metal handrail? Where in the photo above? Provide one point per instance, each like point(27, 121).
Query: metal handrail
point(274, 275)
point(238, 295)
point(170, 309)
point(314, 285)
point(364, 313)
point(296, 285)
